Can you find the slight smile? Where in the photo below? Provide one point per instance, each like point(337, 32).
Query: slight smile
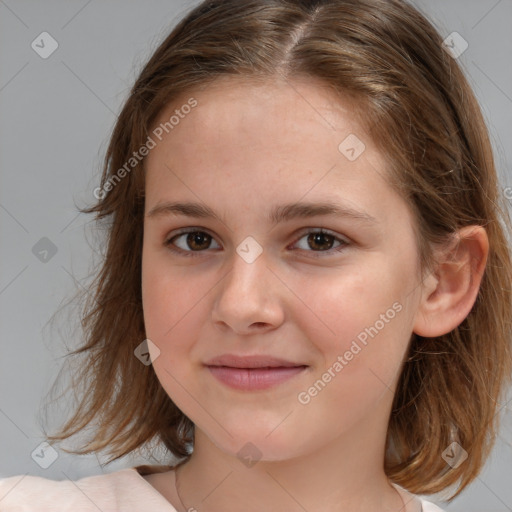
point(253, 373)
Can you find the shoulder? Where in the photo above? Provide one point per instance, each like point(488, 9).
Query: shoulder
point(120, 490)
point(427, 506)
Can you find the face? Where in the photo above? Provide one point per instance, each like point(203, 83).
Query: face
point(331, 313)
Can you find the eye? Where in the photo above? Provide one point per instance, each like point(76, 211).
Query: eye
point(196, 241)
point(321, 239)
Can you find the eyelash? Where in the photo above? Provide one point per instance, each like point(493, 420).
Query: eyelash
point(169, 242)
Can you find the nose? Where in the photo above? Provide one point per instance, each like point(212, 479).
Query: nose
point(248, 297)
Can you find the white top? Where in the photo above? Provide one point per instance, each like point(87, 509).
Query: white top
point(124, 490)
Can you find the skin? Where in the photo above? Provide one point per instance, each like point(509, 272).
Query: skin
point(245, 148)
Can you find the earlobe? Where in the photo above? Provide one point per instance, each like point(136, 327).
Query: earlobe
point(450, 292)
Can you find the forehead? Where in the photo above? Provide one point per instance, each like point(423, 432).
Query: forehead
point(276, 139)
point(255, 103)
point(239, 119)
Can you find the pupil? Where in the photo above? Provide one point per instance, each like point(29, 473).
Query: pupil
point(316, 237)
point(196, 237)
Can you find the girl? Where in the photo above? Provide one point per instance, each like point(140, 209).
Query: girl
point(306, 291)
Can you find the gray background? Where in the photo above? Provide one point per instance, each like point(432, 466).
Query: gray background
point(56, 116)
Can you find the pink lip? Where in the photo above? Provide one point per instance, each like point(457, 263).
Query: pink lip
point(251, 379)
point(250, 373)
point(254, 361)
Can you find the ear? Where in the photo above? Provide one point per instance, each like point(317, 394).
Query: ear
point(450, 292)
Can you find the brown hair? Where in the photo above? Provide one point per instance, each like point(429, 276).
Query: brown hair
point(422, 114)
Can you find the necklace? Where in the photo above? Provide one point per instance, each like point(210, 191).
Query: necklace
point(403, 509)
point(177, 489)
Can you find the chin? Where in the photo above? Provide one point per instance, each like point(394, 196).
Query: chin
point(252, 444)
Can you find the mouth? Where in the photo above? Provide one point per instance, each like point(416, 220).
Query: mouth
point(252, 373)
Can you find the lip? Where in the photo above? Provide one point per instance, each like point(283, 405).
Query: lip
point(252, 373)
point(253, 361)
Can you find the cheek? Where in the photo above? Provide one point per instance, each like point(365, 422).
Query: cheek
point(168, 295)
point(169, 316)
point(176, 305)
point(340, 308)
point(174, 317)
point(161, 310)
point(360, 325)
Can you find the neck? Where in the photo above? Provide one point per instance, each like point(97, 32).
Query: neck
point(345, 474)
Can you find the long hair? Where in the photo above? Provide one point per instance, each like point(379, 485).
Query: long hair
point(420, 110)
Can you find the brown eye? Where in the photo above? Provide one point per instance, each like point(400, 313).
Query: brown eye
point(191, 241)
point(321, 242)
point(198, 240)
point(195, 242)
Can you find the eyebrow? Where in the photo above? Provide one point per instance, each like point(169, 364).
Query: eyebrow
point(280, 213)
